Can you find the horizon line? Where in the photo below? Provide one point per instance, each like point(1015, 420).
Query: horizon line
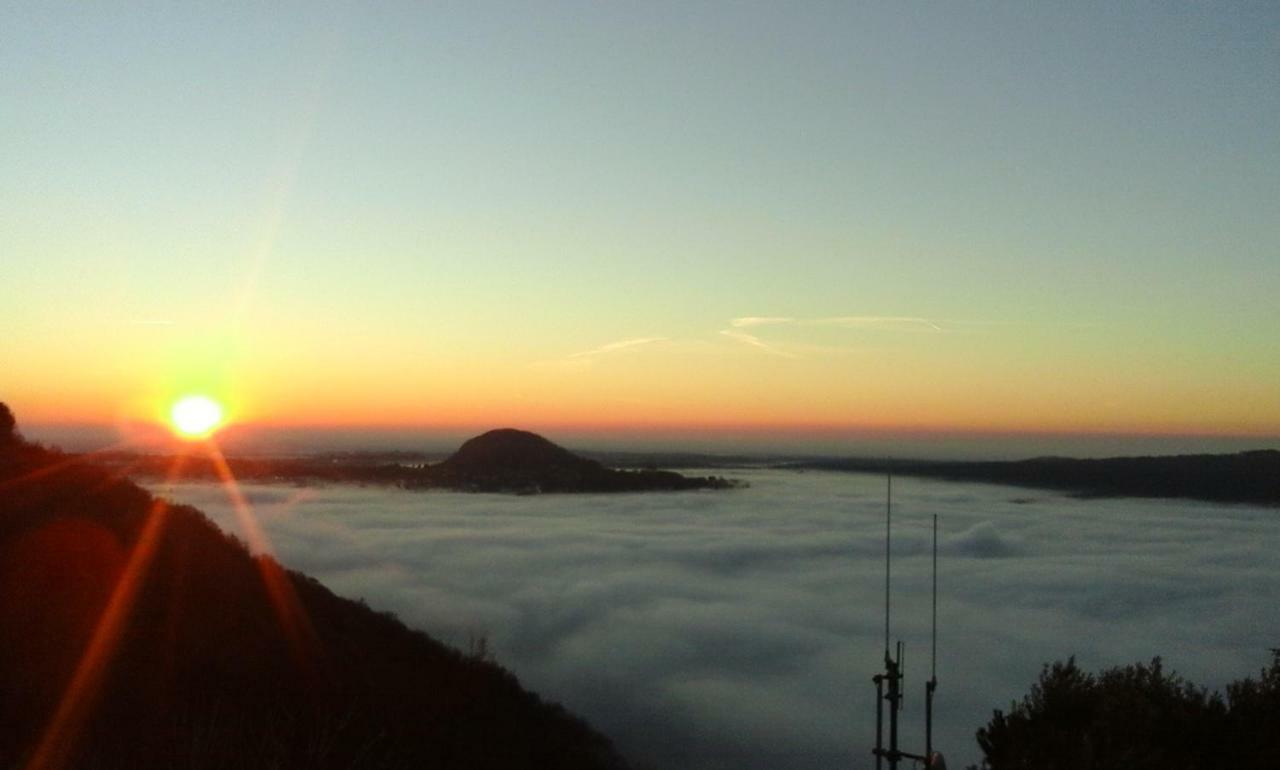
point(712, 429)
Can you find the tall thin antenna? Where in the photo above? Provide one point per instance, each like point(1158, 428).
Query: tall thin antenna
point(932, 685)
point(888, 528)
point(889, 682)
point(933, 668)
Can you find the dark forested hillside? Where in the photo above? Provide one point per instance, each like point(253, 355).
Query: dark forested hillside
point(136, 634)
point(1244, 477)
point(1138, 717)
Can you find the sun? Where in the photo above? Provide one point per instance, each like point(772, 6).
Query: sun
point(196, 417)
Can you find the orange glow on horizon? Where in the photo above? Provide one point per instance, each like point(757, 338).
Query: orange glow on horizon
point(821, 406)
point(692, 418)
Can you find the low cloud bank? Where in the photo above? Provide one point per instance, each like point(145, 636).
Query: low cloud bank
point(741, 629)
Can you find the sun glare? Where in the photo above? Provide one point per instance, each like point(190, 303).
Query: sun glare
point(196, 417)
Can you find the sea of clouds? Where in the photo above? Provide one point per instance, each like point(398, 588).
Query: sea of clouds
point(740, 629)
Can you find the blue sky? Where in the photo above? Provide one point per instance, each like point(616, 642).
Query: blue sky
point(1087, 188)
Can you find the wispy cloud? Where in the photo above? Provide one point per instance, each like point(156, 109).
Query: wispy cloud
point(756, 342)
point(898, 323)
point(879, 322)
point(756, 320)
point(891, 324)
point(614, 347)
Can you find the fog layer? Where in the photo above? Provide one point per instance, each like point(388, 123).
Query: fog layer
point(741, 629)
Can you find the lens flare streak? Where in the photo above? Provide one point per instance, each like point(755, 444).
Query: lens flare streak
point(69, 462)
point(55, 746)
point(293, 618)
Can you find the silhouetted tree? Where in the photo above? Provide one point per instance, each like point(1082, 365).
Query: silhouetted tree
point(1136, 716)
point(1254, 726)
point(8, 425)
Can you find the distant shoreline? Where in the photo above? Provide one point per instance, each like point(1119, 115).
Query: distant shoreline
point(1245, 477)
point(504, 460)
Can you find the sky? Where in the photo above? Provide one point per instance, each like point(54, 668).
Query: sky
point(741, 629)
point(1022, 217)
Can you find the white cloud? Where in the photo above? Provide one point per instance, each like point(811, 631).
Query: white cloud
point(740, 629)
point(879, 323)
point(747, 321)
point(755, 342)
point(614, 347)
point(885, 323)
point(896, 324)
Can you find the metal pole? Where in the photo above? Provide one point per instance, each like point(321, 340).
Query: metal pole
point(895, 698)
point(891, 665)
point(888, 522)
point(879, 752)
point(933, 663)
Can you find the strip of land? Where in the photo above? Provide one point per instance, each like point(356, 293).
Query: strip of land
point(1244, 477)
point(503, 461)
point(519, 462)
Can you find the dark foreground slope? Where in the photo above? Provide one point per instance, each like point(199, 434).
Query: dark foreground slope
point(211, 668)
point(1245, 477)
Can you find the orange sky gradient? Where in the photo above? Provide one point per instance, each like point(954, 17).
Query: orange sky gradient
point(634, 218)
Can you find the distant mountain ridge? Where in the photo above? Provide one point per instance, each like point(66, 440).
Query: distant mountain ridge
point(1243, 477)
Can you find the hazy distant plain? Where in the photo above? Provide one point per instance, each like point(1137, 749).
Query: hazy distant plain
point(740, 629)
point(247, 440)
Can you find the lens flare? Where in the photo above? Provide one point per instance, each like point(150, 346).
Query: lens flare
point(196, 417)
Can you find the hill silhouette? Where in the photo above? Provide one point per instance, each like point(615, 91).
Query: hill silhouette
point(515, 451)
point(135, 633)
point(510, 460)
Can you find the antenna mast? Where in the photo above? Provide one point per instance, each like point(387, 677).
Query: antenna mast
point(892, 677)
point(932, 684)
point(888, 527)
